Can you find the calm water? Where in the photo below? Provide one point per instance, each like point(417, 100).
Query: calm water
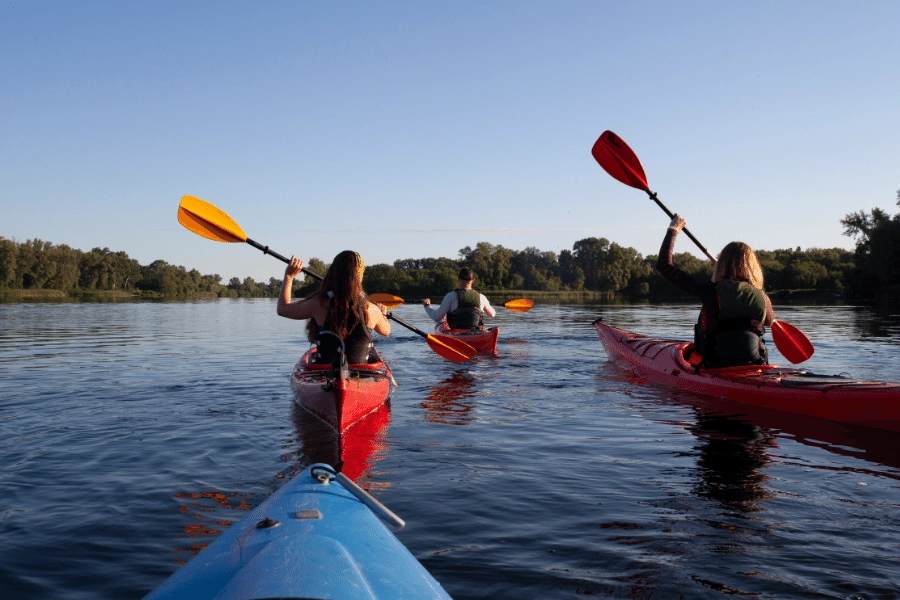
point(132, 434)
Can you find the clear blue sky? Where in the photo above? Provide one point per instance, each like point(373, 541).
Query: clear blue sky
point(413, 129)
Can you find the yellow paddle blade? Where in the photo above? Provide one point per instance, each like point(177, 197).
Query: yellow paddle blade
point(389, 300)
point(451, 348)
point(208, 221)
point(519, 305)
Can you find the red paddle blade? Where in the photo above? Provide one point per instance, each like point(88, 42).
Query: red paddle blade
point(619, 160)
point(451, 348)
point(791, 342)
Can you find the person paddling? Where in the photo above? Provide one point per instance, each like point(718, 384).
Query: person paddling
point(735, 309)
point(340, 306)
point(464, 308)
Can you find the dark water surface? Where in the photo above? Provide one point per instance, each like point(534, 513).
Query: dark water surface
point(132, 434)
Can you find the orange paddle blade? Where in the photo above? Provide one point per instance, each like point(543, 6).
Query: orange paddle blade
point(389, 300)
point(451, 348)
point(208, 221)
point(519, 305)
point(791, 342)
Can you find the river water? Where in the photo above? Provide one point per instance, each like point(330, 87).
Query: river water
point(132, 434)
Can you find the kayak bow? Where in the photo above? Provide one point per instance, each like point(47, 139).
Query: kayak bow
point(316, 537)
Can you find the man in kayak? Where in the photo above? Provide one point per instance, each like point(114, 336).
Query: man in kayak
point(735, 309)
point(340, 306)
point(464, 308)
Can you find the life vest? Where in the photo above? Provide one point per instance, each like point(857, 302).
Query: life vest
point(468, 315)
point(730, 329)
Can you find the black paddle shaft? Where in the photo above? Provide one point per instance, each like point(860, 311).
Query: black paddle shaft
point(265, 250)
point(407, 325)
point(685, 229)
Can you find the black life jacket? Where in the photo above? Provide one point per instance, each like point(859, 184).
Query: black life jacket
point(730, 329)
point(357, 342)
point(469, 314)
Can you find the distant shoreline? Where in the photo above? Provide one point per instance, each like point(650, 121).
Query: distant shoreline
point(823, 297)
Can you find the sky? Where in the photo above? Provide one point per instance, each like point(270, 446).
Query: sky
point(414, 129)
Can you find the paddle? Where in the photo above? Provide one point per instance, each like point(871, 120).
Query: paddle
point(519, 305)
point(622, 163)
point(449, 347)
point(211, 222)
point(389, 300)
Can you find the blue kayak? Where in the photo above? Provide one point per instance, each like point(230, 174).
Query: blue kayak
point(317, 537)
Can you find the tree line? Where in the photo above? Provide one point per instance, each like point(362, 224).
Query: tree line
point(877, 256)
point(598, 265)
point(41, 265)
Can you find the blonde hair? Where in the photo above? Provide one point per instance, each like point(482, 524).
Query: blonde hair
point(738, 262)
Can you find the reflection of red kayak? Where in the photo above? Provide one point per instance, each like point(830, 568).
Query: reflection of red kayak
point(341, 402)
point(483, 340)
point(834, 397)
point(355, 451)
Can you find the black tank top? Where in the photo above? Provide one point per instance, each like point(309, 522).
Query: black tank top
point(359, 339)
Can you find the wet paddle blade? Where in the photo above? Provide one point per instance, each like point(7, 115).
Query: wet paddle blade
point(451, 348)
point(519, 305)
point(791, 342)
point(208, 221)
point(619, 160)
point(388, 300)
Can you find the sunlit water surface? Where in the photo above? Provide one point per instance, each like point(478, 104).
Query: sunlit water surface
point(131, 435)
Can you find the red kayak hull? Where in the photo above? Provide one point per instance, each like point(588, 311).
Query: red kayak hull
point(483, 340)
point(341, 403)
point(868, 403)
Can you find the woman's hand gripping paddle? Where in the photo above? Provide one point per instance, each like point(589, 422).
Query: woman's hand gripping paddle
point(211, 222)
point(622, 163)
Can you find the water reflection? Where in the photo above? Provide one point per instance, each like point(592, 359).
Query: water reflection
point(877, 322)
point(745, 433)
point(354, 452)
point(449, 401)
point(731, 462)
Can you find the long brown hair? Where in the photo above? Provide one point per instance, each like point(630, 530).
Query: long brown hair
point(738, 262)
point(344, 281)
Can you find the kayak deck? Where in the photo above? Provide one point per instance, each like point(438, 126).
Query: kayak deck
point(313, 538)
point(833, 397)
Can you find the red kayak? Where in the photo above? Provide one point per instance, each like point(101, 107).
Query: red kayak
point(833, 397)
point(483, 340)
point(341, 402)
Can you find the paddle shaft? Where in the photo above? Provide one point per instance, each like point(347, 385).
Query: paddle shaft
point(407, 325)
point(265, 250)
point(656, 199)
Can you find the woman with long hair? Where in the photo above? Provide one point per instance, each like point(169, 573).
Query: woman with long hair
point(735, 309)
point(340, 305)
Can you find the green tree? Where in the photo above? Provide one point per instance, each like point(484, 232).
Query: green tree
point(8, 253)
point(877, 272)
point(492, 265)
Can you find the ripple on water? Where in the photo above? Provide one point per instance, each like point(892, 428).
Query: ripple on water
point(133, 434)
